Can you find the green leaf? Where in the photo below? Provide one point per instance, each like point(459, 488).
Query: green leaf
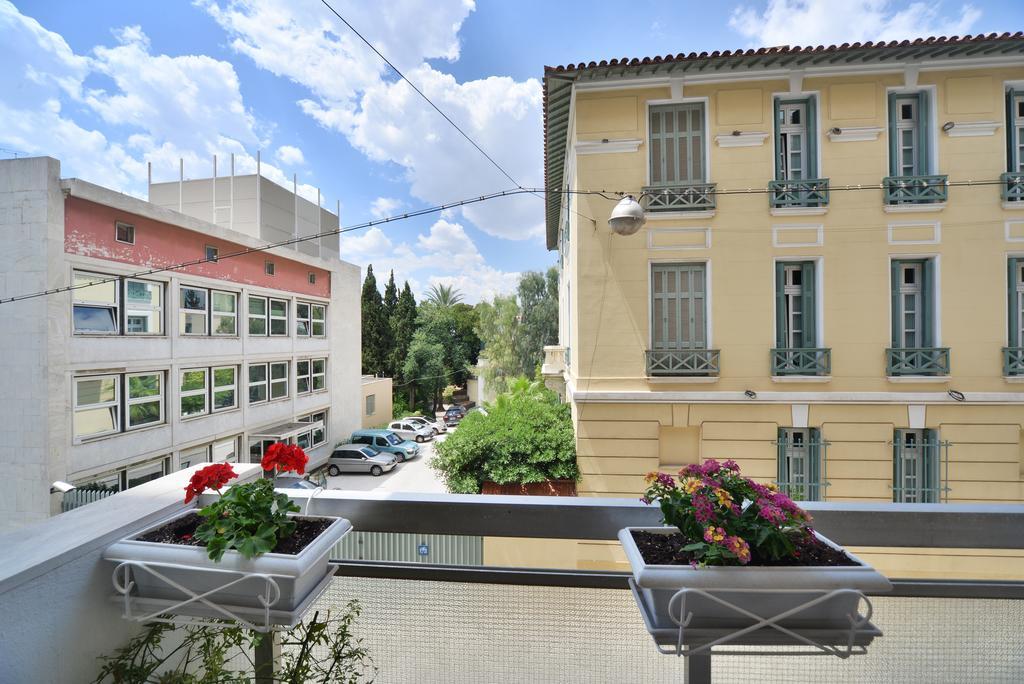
point(694, 547)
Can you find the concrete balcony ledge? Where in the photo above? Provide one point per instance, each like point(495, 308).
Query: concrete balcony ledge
point(554, 360)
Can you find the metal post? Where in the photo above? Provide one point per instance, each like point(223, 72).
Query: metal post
point(698, 669)
point(149, 181)
point(319, 240)
point(265, 654)
point(231, 194)
point(181, 180)
point(295, 197)
point(259, 210)
point(214, 220)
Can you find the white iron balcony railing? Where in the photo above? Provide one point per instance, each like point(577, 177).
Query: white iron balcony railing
point(682, 362)
point(682, 197)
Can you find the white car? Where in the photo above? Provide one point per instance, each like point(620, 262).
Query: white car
point(437, 426)
point(407, 429)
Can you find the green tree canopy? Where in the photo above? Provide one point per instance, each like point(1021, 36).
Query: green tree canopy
point(374, 326)
point(498, 329)
point(538, 301)
point(390, 309)
point(424, 367)
point(403, 325)
point(443, 295)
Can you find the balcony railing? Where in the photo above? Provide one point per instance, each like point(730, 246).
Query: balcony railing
point(423, 621)
point(917, 361)
point(690, 197)
point(785, 194)
point(670, 362)
point(1013, 361)
point(810, 361)
point(915, 189)
point(555, 360)
point(1012, 187)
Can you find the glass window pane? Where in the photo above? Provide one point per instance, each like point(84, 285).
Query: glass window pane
point(257, 326)
point(144, 413)
point(193, 405)
point(224, 302)
point(142, 321)
point(278, 307)
point(257, 306)
point(278, 389)
point(318, 365)
point(141, 292)
point(302, 385)
point(93, 319)
point(193, 298)
point(223, 399)
point(301, 328)
point(193, 323)
point(145, 473)
point(302, 440)
point(278, 371)
point(224, 325)
point(193, 380)
point(318, 329)
point(223, 377)
point(143, 386)
point(96, 390)
point(278, 327)
point(101, 293)
point(318, 382)
point(257, 393)
point(302, 310)
point(319, 312)
point(257, 373)
point(302, 367)
point(95, 421)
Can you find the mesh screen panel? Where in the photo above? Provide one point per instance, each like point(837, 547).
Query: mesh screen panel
point(458, 632)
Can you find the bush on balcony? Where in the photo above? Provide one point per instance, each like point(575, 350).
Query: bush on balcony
point(525, 438)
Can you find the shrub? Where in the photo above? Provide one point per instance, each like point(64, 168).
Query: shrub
point(524, 438)
point(448, 394)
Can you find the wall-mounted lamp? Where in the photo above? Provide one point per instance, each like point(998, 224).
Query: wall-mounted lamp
point(956, 396)
point(750, 394)
point(627, 216)
point(61, 487)
point(835, 130)
point(948, 126)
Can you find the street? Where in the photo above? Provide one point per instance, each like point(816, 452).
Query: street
point(412, 476)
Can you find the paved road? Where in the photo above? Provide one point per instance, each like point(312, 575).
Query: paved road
point(412, 476)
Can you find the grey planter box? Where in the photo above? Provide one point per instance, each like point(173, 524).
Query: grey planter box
point(764, 591)
point(299, 578)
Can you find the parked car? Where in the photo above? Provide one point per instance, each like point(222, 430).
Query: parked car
point(477, 409)
point(406, 429)
point(453, 415)
point(386, 440)
point(359, 458)
point(437, 426)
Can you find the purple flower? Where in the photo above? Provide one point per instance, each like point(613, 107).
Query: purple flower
point(665, 480)
point(759, 489)
point(770, 512)
point(711, 466)
point(644, 499)
point(731, 465)
point(703, 509)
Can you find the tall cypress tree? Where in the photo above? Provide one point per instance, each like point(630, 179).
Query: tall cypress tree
point(403, 325)
point(390, 307)
point(375, 331)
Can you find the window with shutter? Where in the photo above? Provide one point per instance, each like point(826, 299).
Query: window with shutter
point(799, 466)
point(796, 154)
point(677, 135)
point(678, 306)
point(908, 134)
point(916, 459)
point(1015, 131)
point(795, 314)
point(913, 304)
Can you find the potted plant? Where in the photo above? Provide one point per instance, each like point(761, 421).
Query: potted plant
point(735, 543)
point(249, 550)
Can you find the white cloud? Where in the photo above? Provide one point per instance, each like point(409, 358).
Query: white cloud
point(384, 206)
point(292, 156)
point(353, 93)
point(826, 22)
point(446, 254)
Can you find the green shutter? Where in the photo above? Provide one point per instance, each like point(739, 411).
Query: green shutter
point(1011, 298)
point(893, 141)
point(783, 476)
point(778, 140)
point(928, 303)
point(930, 467)
point(923, 126)
point(897, 466)
point(807, 295)
point(812, 139)
point(1011, 133)
point(781, 321)
point(814, 491)
point(897, 339)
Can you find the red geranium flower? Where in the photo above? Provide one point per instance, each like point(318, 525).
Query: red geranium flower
point(211, 477)
point(285, 458)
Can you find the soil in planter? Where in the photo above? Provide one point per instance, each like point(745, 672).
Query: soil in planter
point(667, 549)
point(183, 530)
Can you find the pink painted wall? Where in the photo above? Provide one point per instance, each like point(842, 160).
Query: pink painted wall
point(89, 231)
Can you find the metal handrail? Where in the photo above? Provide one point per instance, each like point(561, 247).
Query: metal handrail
point(1012, 188)
point(801, 361)
point(917, 361)
point(916, 189)
point(1013, 361)
point(679, 197)
point(681, 362)
point(798, 193)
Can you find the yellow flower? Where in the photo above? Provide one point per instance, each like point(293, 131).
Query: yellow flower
point(651, 476)
point(692, 484)
point(724, 497)
point(772, 487)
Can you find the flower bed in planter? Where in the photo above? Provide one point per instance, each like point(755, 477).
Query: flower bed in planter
point(246, 556)
point(738, 558)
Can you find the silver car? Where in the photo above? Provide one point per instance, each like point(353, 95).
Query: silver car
point(359, 458)
point(437, 426)
point(407, 429)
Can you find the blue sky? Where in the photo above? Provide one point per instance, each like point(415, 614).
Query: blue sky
point(108, 85)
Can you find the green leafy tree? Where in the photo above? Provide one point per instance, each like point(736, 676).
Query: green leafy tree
point(526, 437)
point(443, 295)
point(403, 325)
point(498, 329)
point(424, 368)
point(390, 310)
point(374, 326)
point(467, 320)
point(538, 301)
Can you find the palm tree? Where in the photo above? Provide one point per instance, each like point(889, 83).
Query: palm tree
point(443, 295)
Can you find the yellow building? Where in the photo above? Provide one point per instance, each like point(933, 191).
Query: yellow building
point(829, 287)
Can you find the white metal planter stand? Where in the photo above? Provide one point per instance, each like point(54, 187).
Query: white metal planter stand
point(699, 643)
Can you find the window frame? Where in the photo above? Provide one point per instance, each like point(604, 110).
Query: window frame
point(926, 156)
point(811, 167)
point(212, 253)
point(115, 404)
point(1015, 129)
point(265, 382)
point(811, 452)
point(807, 294)
point(215, 388)
point(203, 392)
point(371, 404)
point(271, 317)
point(312, 418)
point(704, 296)
point(129, 401)
point(925, 317)
point(931, 486)
point(322, 320)
point(272, 381)
point(76, 301)
point(183, 311)
point(158, 309)
point(300, 319)
point(264, 317)
point(269, 268)
point(215, 313)
point(675, 105)
point(301, 376)
point(118, 225)
point(313, 374)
